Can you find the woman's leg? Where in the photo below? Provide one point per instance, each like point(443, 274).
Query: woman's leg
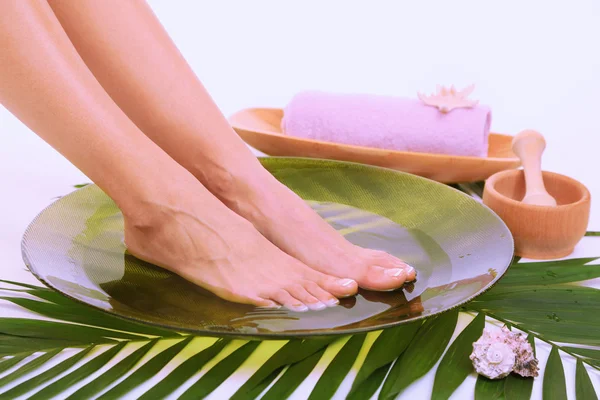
point(127, 49)
point(170, 218)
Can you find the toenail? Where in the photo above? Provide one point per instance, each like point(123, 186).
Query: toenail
point(317, 306)
point(410, 270)
point(346, 282)
point(332, 302)
point(298, 307)
point(393, 272)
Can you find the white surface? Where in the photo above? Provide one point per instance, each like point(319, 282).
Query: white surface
point(533, 62)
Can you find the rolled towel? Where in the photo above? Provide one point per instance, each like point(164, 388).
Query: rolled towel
point(384, 122)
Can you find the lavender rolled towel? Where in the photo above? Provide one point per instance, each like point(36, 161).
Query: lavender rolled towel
point(391, 123)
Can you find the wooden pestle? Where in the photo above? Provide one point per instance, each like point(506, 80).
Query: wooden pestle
point(529, 145)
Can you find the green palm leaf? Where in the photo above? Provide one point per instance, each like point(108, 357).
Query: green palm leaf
point(258, 389)
point(292, 352)
point(293, 377)
point(541, 298)
point(583, 385)
point(81, 314)
point(422, 354)
point(30, 366)
point(8, 344)
point(488, 389)
point(216, 375)
point(146, 371)
point(554, 377)
point(103, 381)
point(388, 346)
point(47, 375)
point(79, 374)
point(591, 356)
point(368, 388)
point(338, 369)
point(184, 371)
point(56, 330)
point(8, 363)
point(456, 365)
point(545, 273)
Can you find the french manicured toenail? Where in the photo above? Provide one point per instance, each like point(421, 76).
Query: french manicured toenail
point(346, 282)
point(393, 272)
point(299, 307)
point(410, 270)
point(317, 306)
point(332, 302)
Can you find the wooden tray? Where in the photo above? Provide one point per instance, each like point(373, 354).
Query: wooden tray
point(261, 129)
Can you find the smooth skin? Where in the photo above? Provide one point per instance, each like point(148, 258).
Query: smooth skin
point(102, 83)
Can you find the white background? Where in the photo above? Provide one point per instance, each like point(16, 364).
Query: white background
point(536, 63)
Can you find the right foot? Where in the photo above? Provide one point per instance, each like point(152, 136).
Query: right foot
point(200, 239)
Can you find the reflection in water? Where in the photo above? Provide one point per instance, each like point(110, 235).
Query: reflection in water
point(108, 277)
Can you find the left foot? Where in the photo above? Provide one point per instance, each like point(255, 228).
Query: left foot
point(288, 222)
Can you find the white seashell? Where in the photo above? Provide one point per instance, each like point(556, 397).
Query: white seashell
point(498, 352)
point(491, 358)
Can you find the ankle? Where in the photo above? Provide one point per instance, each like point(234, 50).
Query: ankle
point(235, 184)
point(146, 205)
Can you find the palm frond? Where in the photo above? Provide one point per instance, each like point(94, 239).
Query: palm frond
point(293, 377)
point(110, 376)
point(455, 367)
point(584, 389)
point(216, 375)
point(544, 299)
point(386, 348)
point(78, 352)
point(28, 367)
point(47, 375)
point(292, 352)
point(338, 368)
point(423, 353)
point(488, 389)
point(554, 377)
point(146, 371)
point(185, 371)
point(79, 374)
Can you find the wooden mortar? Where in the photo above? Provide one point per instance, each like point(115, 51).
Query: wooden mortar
point(540, 231)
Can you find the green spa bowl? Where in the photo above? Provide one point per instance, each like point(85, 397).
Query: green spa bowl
point(459, 247)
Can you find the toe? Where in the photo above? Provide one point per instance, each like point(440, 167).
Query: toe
point(411, 274)
point(264, 303)
point(339, 287)
point(385, 260)
point(246, 298)
point(379, 278)
point(284, 298)
point(324, 296)
point(299, 292)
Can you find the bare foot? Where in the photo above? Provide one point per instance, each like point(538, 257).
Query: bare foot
point(200, 239)
point(286, 220)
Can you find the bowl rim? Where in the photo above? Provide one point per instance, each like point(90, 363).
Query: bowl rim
point(490, 188)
